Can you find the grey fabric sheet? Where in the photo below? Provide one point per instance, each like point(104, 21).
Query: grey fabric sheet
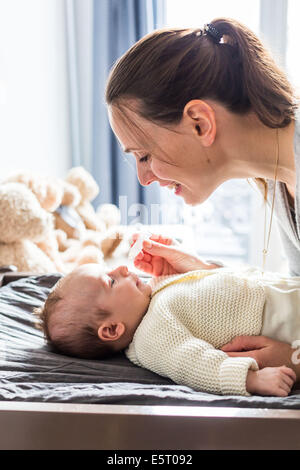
point(30, 371)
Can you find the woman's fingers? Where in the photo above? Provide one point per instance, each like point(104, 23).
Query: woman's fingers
point(143, 266)
point(161, 239)
point(134, 238)
point(157, 238)
point(158, 266)
point(244, 343)
point(147, 257)
point(167, 258)
point(143, 256)
point(157, 249)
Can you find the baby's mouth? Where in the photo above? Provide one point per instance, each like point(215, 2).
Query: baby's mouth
point(136, 279)
point(139, 282)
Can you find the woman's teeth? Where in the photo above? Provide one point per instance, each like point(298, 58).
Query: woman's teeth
point(173, 185)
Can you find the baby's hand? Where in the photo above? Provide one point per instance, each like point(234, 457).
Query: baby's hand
point(276, 381)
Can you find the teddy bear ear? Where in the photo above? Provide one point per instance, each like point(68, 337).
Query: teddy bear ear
point(21, 216)
point(47, 190)
point(53, 194)
point(71, 196)
point(84, 181)
point(109, 214)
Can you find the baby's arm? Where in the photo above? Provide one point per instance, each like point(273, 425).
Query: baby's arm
point(276, 381)
point(164, 346)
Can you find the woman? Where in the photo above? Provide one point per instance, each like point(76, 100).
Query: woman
point(199, 107)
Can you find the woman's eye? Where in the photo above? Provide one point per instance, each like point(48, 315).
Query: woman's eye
point(144, 159)
point(112, 282)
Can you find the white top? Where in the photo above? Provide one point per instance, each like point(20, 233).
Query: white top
point(189, 317)
point(288, 218)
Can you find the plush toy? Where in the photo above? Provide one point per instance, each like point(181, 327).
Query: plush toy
point(88, 188)
point(79, 234)
point(49, 191)
point(102, 229)
point(23, 223)
point(109, 214)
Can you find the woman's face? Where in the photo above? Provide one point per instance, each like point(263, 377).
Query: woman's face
point(173, 155)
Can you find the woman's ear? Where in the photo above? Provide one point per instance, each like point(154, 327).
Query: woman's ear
point(200, 117)
point(109, 331)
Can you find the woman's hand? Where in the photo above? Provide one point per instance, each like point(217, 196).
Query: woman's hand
point(275, 381)
point(160, 257)
point(266, 351)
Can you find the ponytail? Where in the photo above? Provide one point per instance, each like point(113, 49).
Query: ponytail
point(270, 94)
point(170, 67)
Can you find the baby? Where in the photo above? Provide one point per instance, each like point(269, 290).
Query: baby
point(175, 325)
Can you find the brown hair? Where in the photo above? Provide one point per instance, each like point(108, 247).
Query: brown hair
point(75, 339)
point(169, 67)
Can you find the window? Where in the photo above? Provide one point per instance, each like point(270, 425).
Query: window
point(195, 14)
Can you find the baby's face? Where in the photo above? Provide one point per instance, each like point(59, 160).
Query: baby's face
point(119, 292)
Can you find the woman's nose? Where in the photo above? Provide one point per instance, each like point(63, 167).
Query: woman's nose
point(145, 177)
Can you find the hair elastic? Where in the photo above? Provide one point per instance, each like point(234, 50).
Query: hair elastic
point(213, 32)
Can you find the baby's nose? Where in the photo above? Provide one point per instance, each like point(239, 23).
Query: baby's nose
point(124, 271)
point(121, 271)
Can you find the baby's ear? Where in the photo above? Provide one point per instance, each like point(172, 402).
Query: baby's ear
point(109, 331)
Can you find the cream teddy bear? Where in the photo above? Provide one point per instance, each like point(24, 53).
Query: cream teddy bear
point(23, 223)
point(49, 192)
point(88, 189)
point(102, 227)
point(80, 234)
point(56, 195)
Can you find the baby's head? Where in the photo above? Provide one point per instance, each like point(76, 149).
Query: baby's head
point(90, 314)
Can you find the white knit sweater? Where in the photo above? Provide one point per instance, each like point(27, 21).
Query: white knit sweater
point(189, 317)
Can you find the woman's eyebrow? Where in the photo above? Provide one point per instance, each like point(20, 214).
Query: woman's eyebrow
point(127, 150)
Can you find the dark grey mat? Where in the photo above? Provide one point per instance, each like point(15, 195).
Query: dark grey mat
point(30, 371)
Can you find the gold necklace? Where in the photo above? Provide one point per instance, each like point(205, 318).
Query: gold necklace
point(188, 277)
point(266, 243)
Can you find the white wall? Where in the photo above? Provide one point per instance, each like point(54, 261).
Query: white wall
point(34, 121)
